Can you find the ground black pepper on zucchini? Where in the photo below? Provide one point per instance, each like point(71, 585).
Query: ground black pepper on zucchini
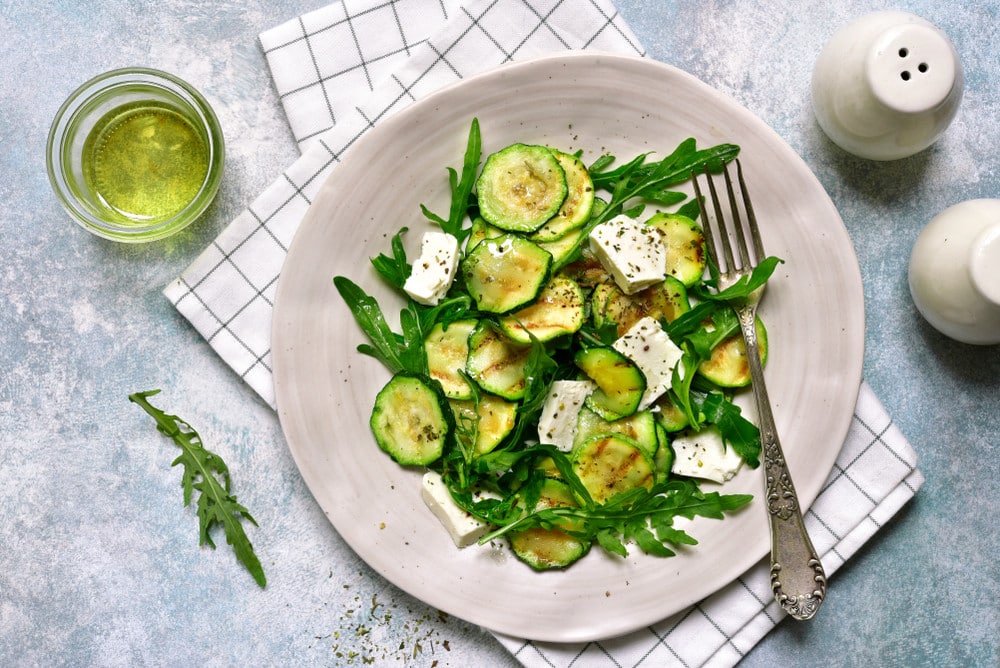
point(531, 305)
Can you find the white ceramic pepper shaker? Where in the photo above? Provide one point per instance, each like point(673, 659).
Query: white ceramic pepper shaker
point(955, 271)
point(887, 85)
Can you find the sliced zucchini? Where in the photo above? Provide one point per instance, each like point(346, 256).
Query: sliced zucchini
point(612, 464)
point(587, 270)
point(491, 420)
point(575, 209)
point(640, 427)
point(685, 246)
point(663, 301)
point(558, 310)
point(497, 363)
point(620, 383)
point(411, 419)
point(521, 187)
point(546, 549)
point(479, 231)
point(728, 366)
point(664, 457)
point(669, 416)
point(506, 272)
point(563, 247)
point(447, 351)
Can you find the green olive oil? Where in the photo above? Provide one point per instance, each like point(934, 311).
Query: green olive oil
point(144, 162)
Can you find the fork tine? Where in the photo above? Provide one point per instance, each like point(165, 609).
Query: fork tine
point(706, 226)
point(758, 244)
point(736, 225)
point(723, 240)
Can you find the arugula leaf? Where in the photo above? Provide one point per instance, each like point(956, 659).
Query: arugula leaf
point(644, 516)
point(398, 352)
point(737, 432)
point(742, 288)
point(205, 472)
point(394, 269)
point(461, 188)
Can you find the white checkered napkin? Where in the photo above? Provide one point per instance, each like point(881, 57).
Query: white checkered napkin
point(228, 291)
point(874, 475)
point(324, 61)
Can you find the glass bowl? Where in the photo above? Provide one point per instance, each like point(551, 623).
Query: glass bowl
point(135, 155)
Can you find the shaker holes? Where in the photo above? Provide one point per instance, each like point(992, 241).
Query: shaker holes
point(905, 74)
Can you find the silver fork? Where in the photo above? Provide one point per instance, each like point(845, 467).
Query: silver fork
point(797, 576)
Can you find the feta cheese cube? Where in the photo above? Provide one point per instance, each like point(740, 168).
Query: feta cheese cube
point(703, 455)
point(656, 355)
point(557, 424)
point(633, 253)
point(463, 527)
point(434, 270)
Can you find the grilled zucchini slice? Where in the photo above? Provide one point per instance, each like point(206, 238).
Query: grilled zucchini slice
point(492, 419)
point(663, 301)
point(411, 419)
point(685, 246)
point(611, 464)
point(497, 363)
point(620, 383)
point(558, 310)
point(575, 209)
point(447, 349)
point(640, 427)
point(728, 366)
point(546, 549)
point(506, 272)
point(521, 187)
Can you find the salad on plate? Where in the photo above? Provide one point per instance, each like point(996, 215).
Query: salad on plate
point(564, 367)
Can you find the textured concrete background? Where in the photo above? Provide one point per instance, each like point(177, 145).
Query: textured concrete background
point(99, 563)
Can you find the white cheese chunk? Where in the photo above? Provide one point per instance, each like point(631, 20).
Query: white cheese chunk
point(557, 424)
point(633, 253)
point(463, 527)
point(656, 355)
point(434, 270)
point(703, 455)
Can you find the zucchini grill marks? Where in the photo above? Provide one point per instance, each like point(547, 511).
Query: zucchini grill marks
point(530, 329)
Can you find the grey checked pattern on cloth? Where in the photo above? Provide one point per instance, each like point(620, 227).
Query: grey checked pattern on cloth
point(341, 70)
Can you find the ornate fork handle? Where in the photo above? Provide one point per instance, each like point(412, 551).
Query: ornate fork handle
point(797, 576)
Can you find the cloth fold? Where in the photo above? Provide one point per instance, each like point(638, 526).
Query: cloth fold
point(339, 71)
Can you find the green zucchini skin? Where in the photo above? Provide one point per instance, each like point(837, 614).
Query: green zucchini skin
point(576, 207)
point(663, 301)
point(611, 464)
point(557, 311)
point(685, 246)
point(620, 383)
point(493, 416)
point(728, 366)
point(521, 187)
point(411, 419)
point(506, 272)
point(497, 363)
point(447, 350)
point(548, 549)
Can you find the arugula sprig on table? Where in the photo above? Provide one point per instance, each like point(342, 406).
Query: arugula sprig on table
point(643, 516)
point(206, 473)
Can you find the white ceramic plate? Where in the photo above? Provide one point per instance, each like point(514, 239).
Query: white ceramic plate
point(814, 310)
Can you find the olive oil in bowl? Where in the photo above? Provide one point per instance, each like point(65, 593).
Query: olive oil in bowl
point(135, 155)
point(144, 162)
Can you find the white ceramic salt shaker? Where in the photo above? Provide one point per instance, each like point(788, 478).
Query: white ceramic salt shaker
point(887, 85)
point(955, 271)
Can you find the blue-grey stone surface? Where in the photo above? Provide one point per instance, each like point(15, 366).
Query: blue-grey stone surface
point(99, 561)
